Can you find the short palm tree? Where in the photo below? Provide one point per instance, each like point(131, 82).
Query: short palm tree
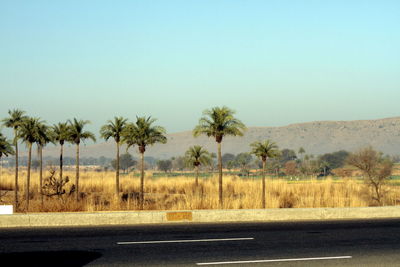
point(61, 134)
point(14, 121)
point(76, 135)
point(114, 129)
point(219, 122)
point(196, 156)
point(44, 136)
point(28, 133)
point(5, 148)
point(264, 150)
point(142, 133)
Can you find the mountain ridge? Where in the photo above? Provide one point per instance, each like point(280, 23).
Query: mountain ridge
point(315, 137)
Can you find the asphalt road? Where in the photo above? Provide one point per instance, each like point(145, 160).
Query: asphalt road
point(332, 243)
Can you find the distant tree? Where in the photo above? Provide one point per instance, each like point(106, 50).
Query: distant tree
point(14, 121)
point(164, 165)
point(376, 170)
point(287, 155)
point(103, 161)
point(142, 133)
point(226, 158)
point(301, 151)
point(310, 167)
point(76, 135)
point(35, 164)
point(335, 160)
point(213, 162)
point(196, 156)
point(114, 129)
point(126, 161)
point(217, 123)
point(275, 166)
point(396, 159)
point(243, 160)
point(178, 163)
point(28, 132)
point(264, 150)
point(230, 164)
point(291, 168)
point(150, 161)
point(325, 169)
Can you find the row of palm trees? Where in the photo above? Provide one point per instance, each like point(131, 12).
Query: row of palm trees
point(31, 131)
point(216, 123)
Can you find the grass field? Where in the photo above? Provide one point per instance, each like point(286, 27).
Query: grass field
point(180, 193)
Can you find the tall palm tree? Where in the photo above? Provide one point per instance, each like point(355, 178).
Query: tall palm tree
point(44, 136)
point(142, 133)
point(76, 135)
point(264, 150)
point(14, 121)
point(196, 156)
point(219, 122)
point(114, 129)
point(28, 132)
point(61, 134)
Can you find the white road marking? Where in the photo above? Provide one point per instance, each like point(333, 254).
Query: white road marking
point(186, 241)
point(275, 260)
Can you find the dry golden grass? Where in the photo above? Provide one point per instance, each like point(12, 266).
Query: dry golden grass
point(180, 193)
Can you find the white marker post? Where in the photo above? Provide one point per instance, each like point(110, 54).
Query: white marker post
point(6, 209)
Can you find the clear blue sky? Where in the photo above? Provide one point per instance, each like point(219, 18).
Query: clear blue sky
point(274, 62)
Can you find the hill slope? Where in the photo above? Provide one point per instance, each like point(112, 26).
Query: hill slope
point(316, 137)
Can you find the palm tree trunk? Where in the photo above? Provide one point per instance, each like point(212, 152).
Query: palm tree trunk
point(28, 176)
point(16, 171)
point(77, 172)
point(197, 176)
point(61, 160)
point(220, 176)
point(263, 183)
point(41, 174)
point(117, 173)
point(142, 181)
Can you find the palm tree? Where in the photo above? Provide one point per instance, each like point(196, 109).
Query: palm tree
point(5, 147)
point(114, 129)
point(61, 134)
point(196, 156)
point(264, 150)
point(44, 136)
point(76, 135)
point(219, 122)
point(14, 121)
point(5, 150)
point(28, 132)
point(142, 134)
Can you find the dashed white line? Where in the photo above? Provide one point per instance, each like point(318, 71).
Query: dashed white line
point(186, 241)
point(275, 260)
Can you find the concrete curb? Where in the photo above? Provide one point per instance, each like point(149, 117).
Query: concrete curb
point(196, 216)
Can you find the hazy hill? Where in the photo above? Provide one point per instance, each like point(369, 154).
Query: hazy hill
point(316, 137)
